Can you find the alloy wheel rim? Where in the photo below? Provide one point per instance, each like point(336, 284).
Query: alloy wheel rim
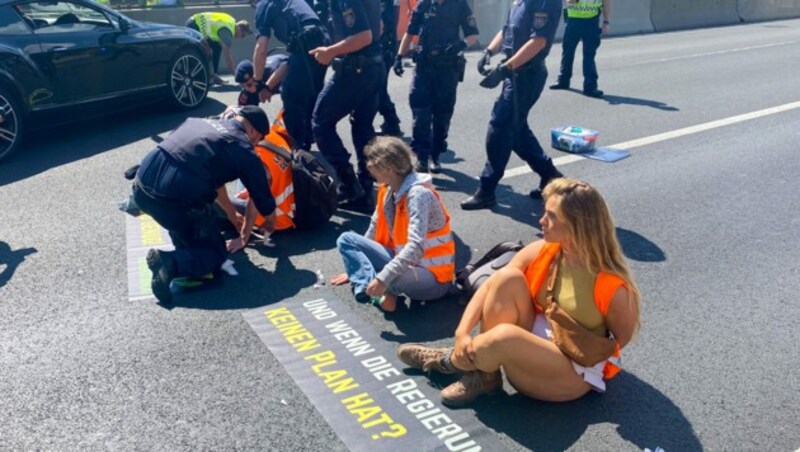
point(8, 125)
point(189, 81)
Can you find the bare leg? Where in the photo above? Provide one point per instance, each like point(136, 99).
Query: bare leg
point(508, 301)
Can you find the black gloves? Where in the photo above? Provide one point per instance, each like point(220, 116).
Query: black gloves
point(484, 61)
point(455, 48)
point(398, 66)
point(496, 75)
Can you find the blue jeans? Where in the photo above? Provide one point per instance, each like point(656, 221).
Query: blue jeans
point(364, 258)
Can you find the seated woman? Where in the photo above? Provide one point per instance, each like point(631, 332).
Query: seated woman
point(408, 248)
point(592, 284)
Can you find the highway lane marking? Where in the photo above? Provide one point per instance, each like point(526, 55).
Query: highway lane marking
point(627, 145)
point(718, 52)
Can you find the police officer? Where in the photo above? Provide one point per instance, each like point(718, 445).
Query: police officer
point(276, 64)
point(386, 108)
point(353, 90)
point(219, 31)
point(525, 41)
point(179, 180)
point(439, 69)
point(295, 23)
point(583, 25)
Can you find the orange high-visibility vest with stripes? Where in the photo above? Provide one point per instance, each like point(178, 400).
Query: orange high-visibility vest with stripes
point(605, 286)
point(280, 175)
point(439, 248)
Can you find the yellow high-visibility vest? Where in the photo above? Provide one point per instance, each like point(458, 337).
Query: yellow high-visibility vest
point(584, 9)
point(210, 24)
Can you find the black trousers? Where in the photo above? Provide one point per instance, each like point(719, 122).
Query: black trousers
point(581, 30)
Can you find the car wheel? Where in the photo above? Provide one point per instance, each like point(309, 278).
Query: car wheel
point(187, 80)
point(10, 124)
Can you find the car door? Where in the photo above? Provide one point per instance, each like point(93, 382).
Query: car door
point(78, 47)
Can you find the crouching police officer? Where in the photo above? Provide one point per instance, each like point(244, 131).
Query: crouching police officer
point(525, 40)
point(440, 67)
point(179, 180)
point(353, 90)
point(296, 24)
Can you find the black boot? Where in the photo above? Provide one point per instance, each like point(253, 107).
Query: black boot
point(480, 200)
point(349, 188)
point(391, 129)
point(163, 266)
point(537, 192)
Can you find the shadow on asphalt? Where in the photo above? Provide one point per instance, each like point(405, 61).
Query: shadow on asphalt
point(11, 260)
point(625, 100)
point(638, 248)
point(643, 415)
point(51, 148)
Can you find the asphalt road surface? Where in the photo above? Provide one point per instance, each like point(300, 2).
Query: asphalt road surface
point(707, 209)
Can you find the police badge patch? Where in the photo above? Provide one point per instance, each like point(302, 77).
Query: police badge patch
point(540, 20)
point(471, 21)
point(349, 17)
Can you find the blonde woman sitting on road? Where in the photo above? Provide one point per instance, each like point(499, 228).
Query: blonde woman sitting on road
point(593, 285)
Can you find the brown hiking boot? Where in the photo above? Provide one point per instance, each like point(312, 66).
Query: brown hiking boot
point(470, 386)
point(425, 358)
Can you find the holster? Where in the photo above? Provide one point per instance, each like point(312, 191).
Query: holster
point(311, 37)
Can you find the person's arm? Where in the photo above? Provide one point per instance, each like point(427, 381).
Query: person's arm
point(405, 43)
point(275, 80)
point(224, 202)
point(622, 316)
point(260, 56)
point(350, 44)
point(606, 16)
point(496, 43)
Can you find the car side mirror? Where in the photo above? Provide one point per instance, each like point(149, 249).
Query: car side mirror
point(124, 25)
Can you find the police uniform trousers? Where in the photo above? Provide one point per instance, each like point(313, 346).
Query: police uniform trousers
point(385, 105)
point(432, 98)
point(299, 91)
point(577, 30)
point(199, 245)
point(509, 130)
point(351, 91)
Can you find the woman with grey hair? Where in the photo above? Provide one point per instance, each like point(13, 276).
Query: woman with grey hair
point(408, 248)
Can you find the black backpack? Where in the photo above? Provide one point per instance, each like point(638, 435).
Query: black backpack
point(469, 279)
point(314, 188)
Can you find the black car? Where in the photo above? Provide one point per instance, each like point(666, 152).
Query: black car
point(67, 59)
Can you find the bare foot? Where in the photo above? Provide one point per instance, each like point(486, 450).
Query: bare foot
point(340, 279)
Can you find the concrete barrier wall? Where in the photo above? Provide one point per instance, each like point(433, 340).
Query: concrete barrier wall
point(630, 17)
point(680, 14)
point(755, 10)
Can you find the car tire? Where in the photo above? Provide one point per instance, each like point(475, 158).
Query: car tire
point(11, 124)
point(187, 80)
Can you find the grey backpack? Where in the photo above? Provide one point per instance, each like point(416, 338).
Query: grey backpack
point(470, 278)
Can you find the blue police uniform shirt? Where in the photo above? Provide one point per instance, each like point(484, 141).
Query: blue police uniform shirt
point(437, 24)
point(272, 65)
point(351, 17)
point(202, 155)
point(530, 19)
point(284, 17)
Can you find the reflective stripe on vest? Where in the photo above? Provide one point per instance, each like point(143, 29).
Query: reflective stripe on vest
point(209, 24)
point(585, 9)
point(605, 286)
point(439, 248)
point(280, 183)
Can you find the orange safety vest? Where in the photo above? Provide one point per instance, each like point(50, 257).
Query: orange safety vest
point(605, 287)
point(280, 175)
point(439, 248)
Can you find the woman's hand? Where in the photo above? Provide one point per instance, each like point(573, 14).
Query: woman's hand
point(338, 280)
point(376, 288)
point(464, 352)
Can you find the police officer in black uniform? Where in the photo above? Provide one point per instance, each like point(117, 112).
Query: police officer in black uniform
point(296, 24)
point(386, 108)
point(439, 69)
point(179, 180)
point(353, 90)
point(525, 41)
